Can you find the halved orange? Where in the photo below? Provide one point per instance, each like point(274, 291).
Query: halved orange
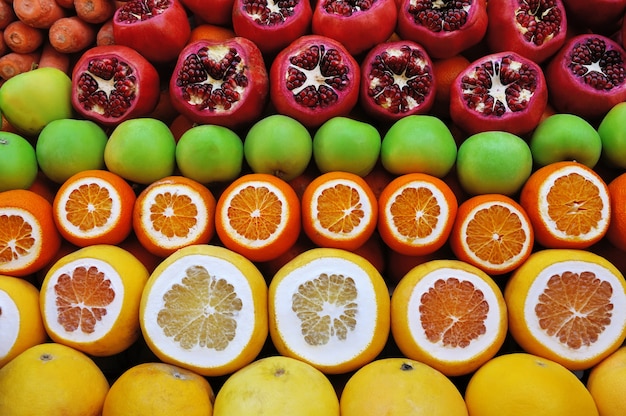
point(568, 205)
point(567, 305)
point(29, 238)
point(174, 212)
point(450, 315)
point(492, 232)
point(416, 212)
point(339, 210)
point(330, 308)
point(89, 299)
point(258, 215)
point(204, 308)
point(94, 207)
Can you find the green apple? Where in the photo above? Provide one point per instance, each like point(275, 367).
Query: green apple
point(32, 99)
point(612, 131)
point(141, 150)
point(565, 137)
point(493, 162)
point(345, 144)
point(18, 162)
point(209, 153)
point(68, 146)
point(278, 145)
point(418, 143)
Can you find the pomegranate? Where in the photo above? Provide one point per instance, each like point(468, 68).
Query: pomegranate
point(272, 24)
point(587, 76)
point(444, 28)
point(397, 80)
point(535, 29)
point(500, 91)
point(314, 79)
point(600, 16)
point(215, 12)
point(357, 24)
point(158, 29)
point(221, 82)
point(113, 83)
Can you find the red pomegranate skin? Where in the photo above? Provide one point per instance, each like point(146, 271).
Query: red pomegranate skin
point(599, 16)
point(215, 12)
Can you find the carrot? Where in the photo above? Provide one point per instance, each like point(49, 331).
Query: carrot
point(14, 63)
point(38, 13)
point(105, 34)
point(19, 37)
point(71, 34)
point(51, 58)
point(7, 15)
point(94, 11)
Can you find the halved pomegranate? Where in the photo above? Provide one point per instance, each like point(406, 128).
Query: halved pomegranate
point(501, 91)
point(272, 24)
point(158, 29)
point(222, 82)
point(313, 79)
point(357, 24)
point(397, 80)
point(444, 28)
point(535, 29)
point(587, 77)
point(112, 83)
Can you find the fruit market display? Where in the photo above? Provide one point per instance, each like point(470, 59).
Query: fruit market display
point(312, 207)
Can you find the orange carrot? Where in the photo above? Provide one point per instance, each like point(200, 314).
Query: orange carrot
point(71, 34)
point(105, 34)
point(51, 58)
point(7, 15)
point(19, 37)
point(38, 13)
point(13, 63)
point(94, 11)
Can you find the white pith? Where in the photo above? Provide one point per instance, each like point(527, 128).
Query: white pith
point(336, 351)
point(605, 339)
point(9, 323)
point(103, 326)
point(198, 356)
point(33, 252)
point(116, 208)
point(494, 322)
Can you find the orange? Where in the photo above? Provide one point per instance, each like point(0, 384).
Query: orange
point(567, 305)
point(204, 308)
point(94, 207)
point(172, 213)
point(616, 232)
point(20, 319)
point(450, 315)
point(258, 215)
point(492, 232)
point(89, 299)
point(330, 308)
point(52, 379)
point(159, 389)
point(568, 205)
point(416, 212)
point(400, 386)
point(445, 71)
point(607, 384)
point(522, 384)
point(29, 238)
point(339, 210)
point(209, 31)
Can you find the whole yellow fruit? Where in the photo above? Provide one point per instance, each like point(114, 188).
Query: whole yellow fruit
point(607, 384)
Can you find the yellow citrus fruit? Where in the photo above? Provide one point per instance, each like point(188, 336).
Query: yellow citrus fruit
point(277, 385)
point(159, 389)
point(448, 314)
point(329, 308)
point(522, 384)
point(400, 386)
point(567, 305)
point(90, 298)
point(52, 379)
point(204, 308)
point(21, 325)
point(607, 384)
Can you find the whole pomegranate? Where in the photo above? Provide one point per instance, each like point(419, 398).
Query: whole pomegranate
point(215, 12)
point(221, 82)
point(444, 28)
point(600, 16)
point(587, 77)
point(314, 79)
point(397, 80)
point(113, 83)
point(501, 91)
